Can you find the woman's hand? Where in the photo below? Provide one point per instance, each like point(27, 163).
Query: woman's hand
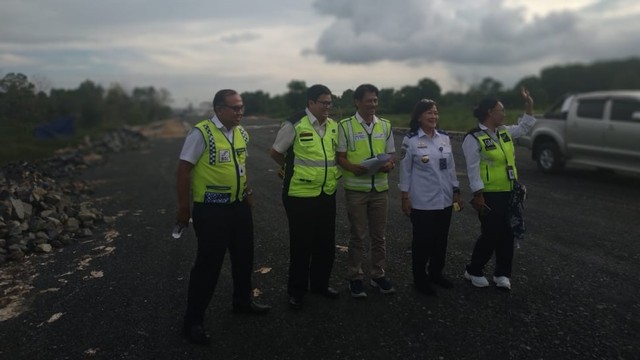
point(406, 206)
point(528, 100)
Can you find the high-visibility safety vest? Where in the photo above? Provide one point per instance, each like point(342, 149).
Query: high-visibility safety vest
point(310, 163)
point(497, 160)
point(361, 146)
point(219, 176)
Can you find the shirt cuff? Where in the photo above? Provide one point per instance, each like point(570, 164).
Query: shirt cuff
point(476, 186)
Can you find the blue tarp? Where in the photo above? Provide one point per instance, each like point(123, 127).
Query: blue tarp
point(60, 126)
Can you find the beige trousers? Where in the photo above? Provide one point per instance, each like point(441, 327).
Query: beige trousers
point(367, 214)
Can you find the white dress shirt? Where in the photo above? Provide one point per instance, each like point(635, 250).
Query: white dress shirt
point(194, 144)
point(471, 147)
point(428, 171)
point(287, 134)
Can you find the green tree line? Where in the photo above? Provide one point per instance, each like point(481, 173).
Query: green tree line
point(550, 86)
point(91, 105)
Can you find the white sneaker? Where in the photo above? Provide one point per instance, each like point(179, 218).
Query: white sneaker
point(477, 281)
point(502, 282)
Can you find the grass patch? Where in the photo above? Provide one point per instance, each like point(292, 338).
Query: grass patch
point(19, 143)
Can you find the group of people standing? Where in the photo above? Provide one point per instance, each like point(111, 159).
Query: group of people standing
point(314, 152)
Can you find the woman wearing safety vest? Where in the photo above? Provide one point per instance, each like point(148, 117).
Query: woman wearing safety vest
point(491, 167)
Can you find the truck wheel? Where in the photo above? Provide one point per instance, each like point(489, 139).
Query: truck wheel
point(548, 158)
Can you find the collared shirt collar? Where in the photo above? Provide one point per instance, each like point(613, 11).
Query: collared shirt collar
point(219, 124)
point(421, 133)
point(361, 120)
point(311, 117)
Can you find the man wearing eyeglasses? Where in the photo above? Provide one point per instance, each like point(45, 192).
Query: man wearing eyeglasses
point(306, 146)
point(212, 168)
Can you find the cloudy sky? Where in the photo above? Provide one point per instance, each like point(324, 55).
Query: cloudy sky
point(193, 47)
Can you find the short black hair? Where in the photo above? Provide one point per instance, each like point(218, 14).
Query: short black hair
point(363, 89)
point(220, 98)
point(315, 91)
point(482, 110)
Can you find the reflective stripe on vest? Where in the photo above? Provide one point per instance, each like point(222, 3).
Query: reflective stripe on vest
point(219, 176)
point(361, 146)
point(314, 163)
point(494, 159)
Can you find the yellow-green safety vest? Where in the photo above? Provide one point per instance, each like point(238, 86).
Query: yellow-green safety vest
point(220, 176)
point(361, 146)
point(313, 160)
point(496, 158)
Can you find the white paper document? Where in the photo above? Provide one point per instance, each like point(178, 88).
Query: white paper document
point(375, 163)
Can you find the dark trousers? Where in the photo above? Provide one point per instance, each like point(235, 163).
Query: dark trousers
point(429, 244)
point(496, 236)
point(312, 232)
point(218, 228)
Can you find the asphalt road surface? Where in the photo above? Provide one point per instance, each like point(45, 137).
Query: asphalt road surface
point(121, 294)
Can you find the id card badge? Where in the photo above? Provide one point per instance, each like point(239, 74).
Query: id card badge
point(443, 163)
point(510, 173)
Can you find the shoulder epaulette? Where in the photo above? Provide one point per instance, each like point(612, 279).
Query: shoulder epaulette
point(385, 120)
point(411, 134)
point(440, 131)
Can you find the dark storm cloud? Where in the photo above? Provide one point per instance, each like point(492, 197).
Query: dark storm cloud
point(482, 32)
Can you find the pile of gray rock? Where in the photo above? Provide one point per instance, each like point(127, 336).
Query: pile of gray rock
point(43, 205)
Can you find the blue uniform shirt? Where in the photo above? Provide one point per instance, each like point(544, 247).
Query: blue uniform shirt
point(428, 171)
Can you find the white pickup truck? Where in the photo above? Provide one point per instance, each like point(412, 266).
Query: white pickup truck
point(600, 129)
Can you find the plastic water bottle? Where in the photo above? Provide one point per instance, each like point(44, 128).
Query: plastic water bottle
point(178, 230)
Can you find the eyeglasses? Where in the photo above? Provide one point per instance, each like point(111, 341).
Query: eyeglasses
point(236, 108)
point(325, 103)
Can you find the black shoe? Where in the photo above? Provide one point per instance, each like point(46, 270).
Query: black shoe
point(196, 334)
point(441, 281)
point(426, 289)
point(328, 292)
point(295, 302)
point(251, 308)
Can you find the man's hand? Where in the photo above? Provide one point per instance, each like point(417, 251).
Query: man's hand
point(478, 202)
point(457, 199)
point(250, 199)
point(183, 216)
point(358, 169)
point(388, 166)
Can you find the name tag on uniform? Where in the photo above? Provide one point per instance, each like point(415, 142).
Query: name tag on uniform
point(510, 173)
point(489, 144)
point(306, 136)
point(505, 137)
point(359, 136)
point(225, 155)
point(443, 163)
point(378, 136)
